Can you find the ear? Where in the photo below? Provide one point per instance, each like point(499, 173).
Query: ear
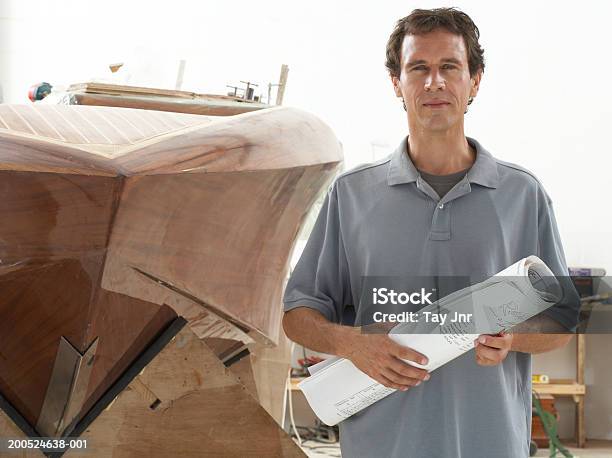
point(475, 83)
point(396, 88)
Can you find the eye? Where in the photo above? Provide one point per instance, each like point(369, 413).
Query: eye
point(448, 66)
point(419, 67)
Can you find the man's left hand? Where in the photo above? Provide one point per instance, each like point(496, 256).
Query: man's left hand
point(492, 349)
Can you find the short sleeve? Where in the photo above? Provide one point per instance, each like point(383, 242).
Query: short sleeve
point(567, 310)
point(320, 279)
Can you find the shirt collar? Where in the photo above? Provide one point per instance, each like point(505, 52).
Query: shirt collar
point(483, 171)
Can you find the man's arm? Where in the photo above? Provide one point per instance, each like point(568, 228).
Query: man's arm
point(375, 354)
point(539, 343)
point(315, 295)
point(539, 335)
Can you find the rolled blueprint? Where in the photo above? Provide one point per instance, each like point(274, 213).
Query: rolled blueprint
point(336, 389)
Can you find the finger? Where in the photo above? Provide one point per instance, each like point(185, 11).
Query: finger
point(494, 341)
point(390, 384)
point(484, 362)
point(399, 379)
point(492, 354)
point(407, 353)
point(406, 370)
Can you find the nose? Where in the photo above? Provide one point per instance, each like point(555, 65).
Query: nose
point(434, 81)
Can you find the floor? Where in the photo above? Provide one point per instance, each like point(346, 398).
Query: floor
point(594, 449)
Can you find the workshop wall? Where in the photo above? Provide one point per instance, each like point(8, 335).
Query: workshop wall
point(561, 363)
point(541, 103)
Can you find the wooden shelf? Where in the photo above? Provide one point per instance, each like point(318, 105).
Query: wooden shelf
point(575, 388)
point(560, 388)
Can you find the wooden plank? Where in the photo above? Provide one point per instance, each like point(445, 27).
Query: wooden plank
point(105, 88)
point(111, 95)
point(580, 362)
point(580, 424)
point(580, 357)
point(118, 89)
point(282, 84)
point(559, 389)
point(198, 106)
point(8, 429)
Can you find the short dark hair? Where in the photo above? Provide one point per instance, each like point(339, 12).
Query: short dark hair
point(423, 21)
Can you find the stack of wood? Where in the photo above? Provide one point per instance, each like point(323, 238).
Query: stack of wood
point(113, 95)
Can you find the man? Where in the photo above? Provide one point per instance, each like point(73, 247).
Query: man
point(440, 205)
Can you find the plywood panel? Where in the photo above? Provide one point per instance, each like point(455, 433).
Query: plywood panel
point(203, 410)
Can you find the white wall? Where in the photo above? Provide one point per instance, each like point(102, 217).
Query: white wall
point(544, 101)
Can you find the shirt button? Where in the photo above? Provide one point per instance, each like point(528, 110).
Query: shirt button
point(441, 206)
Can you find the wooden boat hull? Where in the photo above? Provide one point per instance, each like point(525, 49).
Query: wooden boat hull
point(115, 221)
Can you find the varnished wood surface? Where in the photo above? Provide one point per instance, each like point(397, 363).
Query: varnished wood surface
point(111, 217)
point(53, 240)
point(224, 238)
point(128, 326)
point(47, 217)
point(37, 138)
point(36, 308)
point(80, 140)
point(92, 127)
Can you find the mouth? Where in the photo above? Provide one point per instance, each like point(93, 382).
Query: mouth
point(436, 105)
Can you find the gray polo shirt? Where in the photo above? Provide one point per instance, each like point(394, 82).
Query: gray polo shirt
point(383, 219)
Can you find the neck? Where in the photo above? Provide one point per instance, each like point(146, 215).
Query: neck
point(440, 153)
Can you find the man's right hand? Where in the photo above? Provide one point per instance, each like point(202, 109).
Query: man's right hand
point(381, 358)
point(373, 353)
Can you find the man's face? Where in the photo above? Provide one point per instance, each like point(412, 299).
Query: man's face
point(435, 80)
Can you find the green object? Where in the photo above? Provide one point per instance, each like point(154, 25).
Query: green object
point(549, 422)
